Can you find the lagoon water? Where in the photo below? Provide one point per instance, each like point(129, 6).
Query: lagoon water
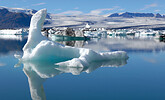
point(141, 77)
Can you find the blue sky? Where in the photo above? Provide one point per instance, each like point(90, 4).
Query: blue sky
point(92, 7)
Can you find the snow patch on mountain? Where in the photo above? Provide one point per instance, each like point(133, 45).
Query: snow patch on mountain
point(20, 10)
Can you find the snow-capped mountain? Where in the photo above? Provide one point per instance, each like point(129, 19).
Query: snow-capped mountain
point(20, 10)
point(19, 17)
point(131, 15)
point(13, 20)
point(103, 21)
point(16, 17)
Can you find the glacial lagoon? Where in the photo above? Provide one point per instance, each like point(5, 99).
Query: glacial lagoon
point(141, 77)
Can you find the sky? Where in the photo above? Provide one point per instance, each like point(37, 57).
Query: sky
point(89, 7)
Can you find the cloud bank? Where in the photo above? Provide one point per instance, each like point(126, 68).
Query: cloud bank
point(38, 4)
point(150, 6)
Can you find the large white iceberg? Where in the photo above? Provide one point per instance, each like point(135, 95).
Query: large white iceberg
point(43, 59)
point(39, 48)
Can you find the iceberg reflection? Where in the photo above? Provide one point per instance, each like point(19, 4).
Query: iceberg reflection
point(134, 45)
point(38, 72)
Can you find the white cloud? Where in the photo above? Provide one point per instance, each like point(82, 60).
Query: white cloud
point(71, 12)
point(157, 10)
point(76, 8)
point(103, 11)
point(99, 11)
point(38, 4)
point(150, 6)
point(121, 9)
point(57, 9)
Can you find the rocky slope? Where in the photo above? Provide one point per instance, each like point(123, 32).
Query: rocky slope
point(13, 20)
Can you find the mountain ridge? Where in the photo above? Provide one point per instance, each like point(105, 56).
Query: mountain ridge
point(20, 18)
point(20, 10)
point(16, 17)
point(132, 15)
point(13, 20)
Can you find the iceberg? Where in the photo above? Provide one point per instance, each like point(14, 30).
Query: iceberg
point(39, 48)
point(43, 59)
point(13, 32)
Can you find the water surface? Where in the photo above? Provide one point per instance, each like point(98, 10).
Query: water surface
point(141, 77)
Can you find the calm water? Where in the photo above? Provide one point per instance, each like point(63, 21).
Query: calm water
point(141, 77)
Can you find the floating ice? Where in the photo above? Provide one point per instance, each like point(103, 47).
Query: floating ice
point(87, 26)
point(43, 59)
point(13, 32)
point(38, 48)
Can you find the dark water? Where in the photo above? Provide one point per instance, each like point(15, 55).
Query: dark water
point(141, 77)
